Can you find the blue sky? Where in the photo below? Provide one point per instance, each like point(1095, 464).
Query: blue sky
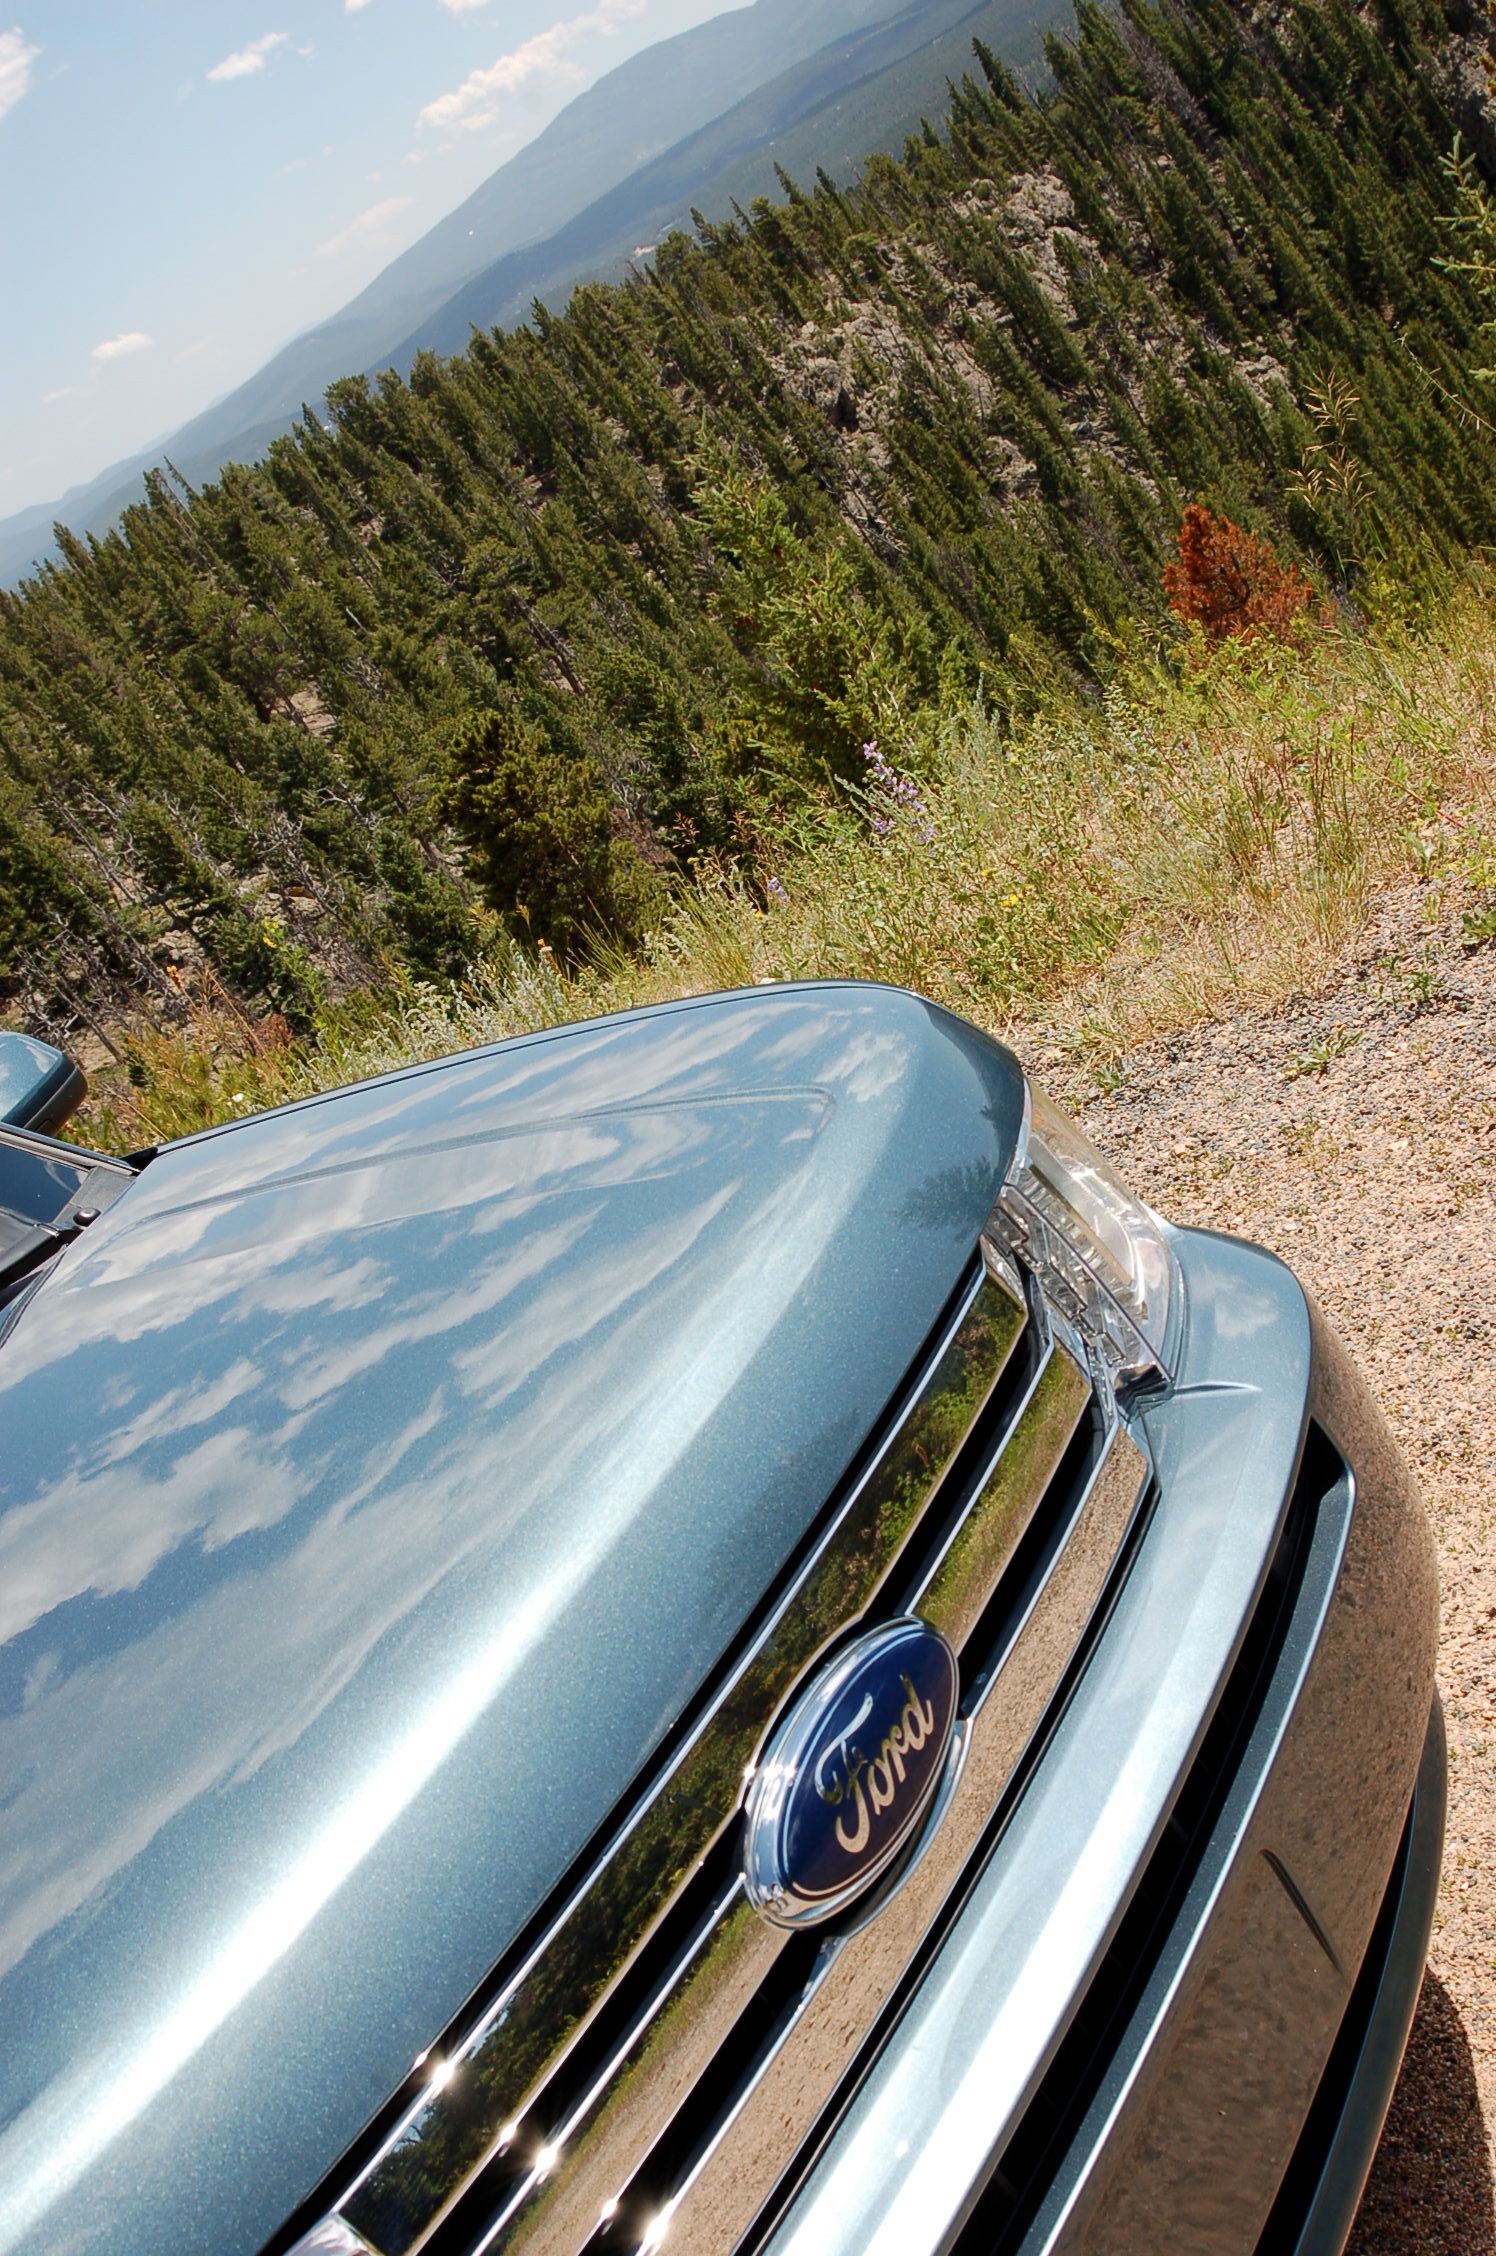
point(188, 183)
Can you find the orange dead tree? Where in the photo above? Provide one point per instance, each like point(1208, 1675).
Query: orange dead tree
point(1231, 582)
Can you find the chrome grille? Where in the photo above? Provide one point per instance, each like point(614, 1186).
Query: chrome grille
point(662, 2056)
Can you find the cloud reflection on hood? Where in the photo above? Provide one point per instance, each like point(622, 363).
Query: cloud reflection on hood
point(359, 1426)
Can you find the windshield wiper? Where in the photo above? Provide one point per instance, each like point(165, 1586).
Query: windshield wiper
point(49, 1192)
point(24, 1246)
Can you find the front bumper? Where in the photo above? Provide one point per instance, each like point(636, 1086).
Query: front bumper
point(1120, 2041)
point(1317, 2201)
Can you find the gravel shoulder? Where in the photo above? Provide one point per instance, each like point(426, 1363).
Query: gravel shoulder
point(1354, 1133)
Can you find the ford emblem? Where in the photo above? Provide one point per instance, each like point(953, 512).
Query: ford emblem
point(848, 1776)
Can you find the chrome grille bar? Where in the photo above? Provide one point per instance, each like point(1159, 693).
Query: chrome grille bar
point(478, 2104)
point(982, 1545)
point(574, 2183)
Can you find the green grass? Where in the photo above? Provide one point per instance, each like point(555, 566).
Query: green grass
point(1209, 838)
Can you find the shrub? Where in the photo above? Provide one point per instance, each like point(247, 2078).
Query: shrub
point(1229, 582)
point(539, 826)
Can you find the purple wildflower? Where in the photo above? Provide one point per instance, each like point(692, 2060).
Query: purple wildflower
point(900, 794)
point(778, 890)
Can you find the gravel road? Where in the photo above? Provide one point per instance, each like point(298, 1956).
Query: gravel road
point(1355, 1134)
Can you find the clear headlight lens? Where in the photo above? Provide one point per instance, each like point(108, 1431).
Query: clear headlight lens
point(1100, 1254)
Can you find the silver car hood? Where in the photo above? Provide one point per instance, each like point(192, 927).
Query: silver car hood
point(381, 1478)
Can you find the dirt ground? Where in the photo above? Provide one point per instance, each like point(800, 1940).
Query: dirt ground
point(1355, 1135)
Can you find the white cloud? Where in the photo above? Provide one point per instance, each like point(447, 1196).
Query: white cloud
point(16, 59)
point(368, 223)
point(128, 341)
point(546, 55)
point(63, 391)
point(245, 61)
point(353, 6)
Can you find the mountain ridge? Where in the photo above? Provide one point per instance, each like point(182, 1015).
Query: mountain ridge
point(695, 76)
point(659, 196)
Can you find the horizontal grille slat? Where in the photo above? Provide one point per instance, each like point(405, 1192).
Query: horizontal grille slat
point(959, 1587)
point(674, 2043)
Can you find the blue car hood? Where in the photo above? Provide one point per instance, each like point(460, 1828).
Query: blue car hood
point(380, 1478)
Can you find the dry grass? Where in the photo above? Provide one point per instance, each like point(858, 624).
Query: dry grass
point(1206, 840)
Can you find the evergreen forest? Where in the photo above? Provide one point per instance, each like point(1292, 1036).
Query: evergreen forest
point(507, 651)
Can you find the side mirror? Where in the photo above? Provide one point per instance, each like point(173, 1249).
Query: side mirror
point(39, 1087)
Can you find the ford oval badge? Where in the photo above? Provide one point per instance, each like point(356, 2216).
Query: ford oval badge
point(850, 1773)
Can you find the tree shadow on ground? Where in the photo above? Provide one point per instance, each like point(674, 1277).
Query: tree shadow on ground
point(1430, 2190)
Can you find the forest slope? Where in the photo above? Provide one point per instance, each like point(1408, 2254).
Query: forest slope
point(515, 646)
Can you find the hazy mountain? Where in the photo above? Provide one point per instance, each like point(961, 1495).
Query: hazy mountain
point(642, 107)
point(868, 90)
point(676, 125)
point(625, 120)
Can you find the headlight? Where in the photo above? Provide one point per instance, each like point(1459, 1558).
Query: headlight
point(1101, 1256)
